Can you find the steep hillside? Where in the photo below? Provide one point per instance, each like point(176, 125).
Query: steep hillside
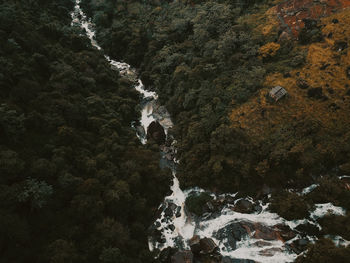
point(76, 185)
point(213, 64)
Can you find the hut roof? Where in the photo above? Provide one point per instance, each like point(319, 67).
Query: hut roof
point(277, 92)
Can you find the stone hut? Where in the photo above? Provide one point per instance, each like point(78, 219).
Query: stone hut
point(277, 93)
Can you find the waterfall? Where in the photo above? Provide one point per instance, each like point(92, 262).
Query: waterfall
point(174, 224)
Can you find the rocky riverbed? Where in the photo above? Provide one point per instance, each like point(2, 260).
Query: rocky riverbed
point(230, 228)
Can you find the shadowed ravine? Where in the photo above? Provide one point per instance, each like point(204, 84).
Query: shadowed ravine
point(242, 228)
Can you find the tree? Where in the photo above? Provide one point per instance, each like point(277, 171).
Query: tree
point(35, 192)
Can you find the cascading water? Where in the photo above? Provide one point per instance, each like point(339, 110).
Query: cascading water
point(262, 235)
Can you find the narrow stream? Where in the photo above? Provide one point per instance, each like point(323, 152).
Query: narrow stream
point(259, 235)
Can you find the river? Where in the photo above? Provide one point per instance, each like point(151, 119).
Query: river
point(175, 226)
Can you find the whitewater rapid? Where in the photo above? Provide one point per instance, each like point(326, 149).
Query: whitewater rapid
point(178, 228)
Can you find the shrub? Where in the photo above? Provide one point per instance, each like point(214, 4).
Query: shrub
point(289, 205)
point(196, 202)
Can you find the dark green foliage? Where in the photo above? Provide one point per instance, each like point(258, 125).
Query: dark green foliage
point(324, 250)
point(331, 190)
point(76, 185)
point(201, 60)
point(310, 33)
point(196, 203)
point(336, 225)
point(289, 205)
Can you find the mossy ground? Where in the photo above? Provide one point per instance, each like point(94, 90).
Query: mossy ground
point(315, 128)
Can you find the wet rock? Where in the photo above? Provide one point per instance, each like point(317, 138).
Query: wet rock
point(228, 199)
point(178, 212)
point(161, 239)
point(244, 206)
point(303, 242)
point(236, 231)
point(232, 232)
point(172, 206)
point(194, 244)
point(168, 212)
point(172, 227)
point(169, 156)
point(236, 260)
point(156, 132)
point(140, 131)
point(264, 232)
point(257, 208)
point(299, 245)
point(285, 232)
point(182, 257)
point(269, 252)
point(261, 243)
point(284, 37)
point(207, 245)
point(210, 207)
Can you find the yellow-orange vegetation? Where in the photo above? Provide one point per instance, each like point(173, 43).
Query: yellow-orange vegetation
point(271, 25)
point(269, 50)
point(325, 68)
point(265, 21)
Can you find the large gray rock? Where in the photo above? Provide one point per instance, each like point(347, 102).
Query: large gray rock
point(244, 206)
point(194, 244)
point(156, 132)
point(207, 245)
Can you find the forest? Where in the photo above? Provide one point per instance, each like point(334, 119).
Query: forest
point(76, 185)
point(213, 63)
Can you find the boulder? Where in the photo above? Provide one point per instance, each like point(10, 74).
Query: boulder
point(269, 252)
point(232, 233)
point(194, 244)
point(284, 37)
point(299, 245)
point(140, 131)
point(265, 232)
point(285, 232)
point(244, 206)
point(156, 132)
point(207, 245)
point(182, 257)
point(168, 212)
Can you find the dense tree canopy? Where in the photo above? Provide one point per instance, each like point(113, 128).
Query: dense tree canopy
point(76, 185)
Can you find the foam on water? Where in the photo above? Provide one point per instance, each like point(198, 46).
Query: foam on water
point(321, 210)
point(309, 189)
point(184, 227)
